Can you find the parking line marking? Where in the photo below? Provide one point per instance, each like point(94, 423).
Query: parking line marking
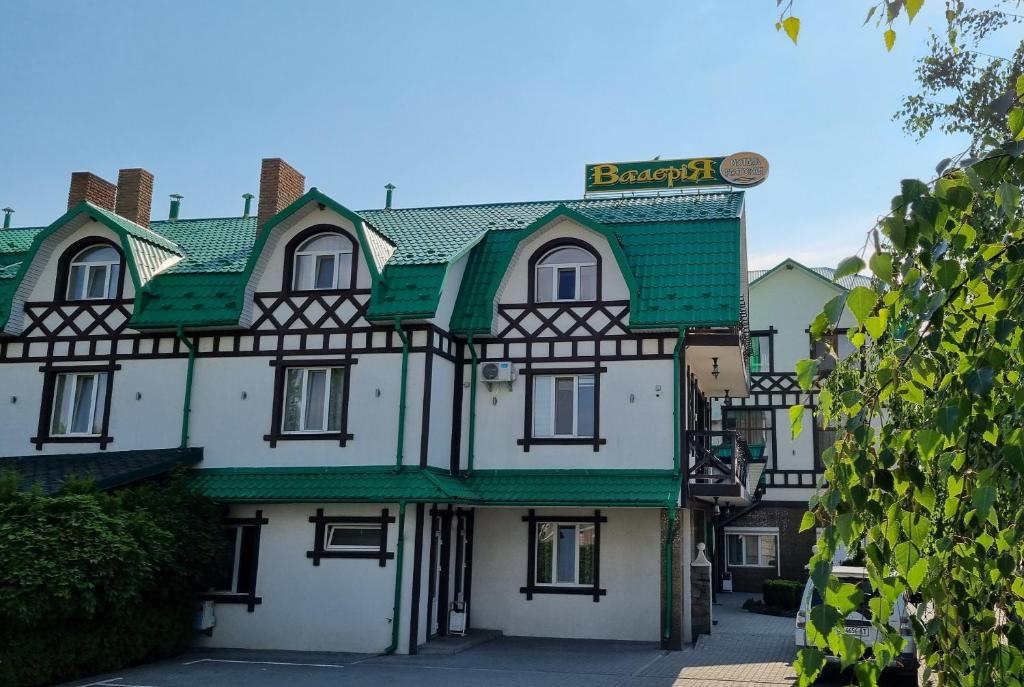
point(112, 682)
point(266, 663)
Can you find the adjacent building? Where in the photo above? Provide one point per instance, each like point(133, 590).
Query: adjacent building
point(490, 416)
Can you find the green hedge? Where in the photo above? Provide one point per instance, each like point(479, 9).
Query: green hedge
point(782, 593)
point(92, 582)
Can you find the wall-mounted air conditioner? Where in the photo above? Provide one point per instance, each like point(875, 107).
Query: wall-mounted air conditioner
point(497, 371)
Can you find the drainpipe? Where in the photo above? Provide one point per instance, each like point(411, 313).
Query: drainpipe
point(396, 612)
point(666, 631)
point(186, 410)
point(676, 393)
point(472, 408)
point(401, 394)
point(676, 470)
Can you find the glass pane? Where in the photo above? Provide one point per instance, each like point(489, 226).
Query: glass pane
point(84, 388)
point(344, 270)
point(567, 553)
point(563, 405)
point(97, 282)
point(115, 273)
point(585, 407)
point(545, 551)
point(225, 580)
point(545, 286)
point(586, 554)
point(542, 406)
point(292, 400)
point(568, 256)
point(76, 283)
point(354, 537)
point(246, 553)
point(327, 242)
point(98, 254)
point(316, 387)
point(845, 347)
point(325, 271)
point(767, 550)
point(750, 549)
point(588, 283)
point(98, 402)
point(567, 284)
point(334, 409)
point(735, 545)
point(303, 279)
point(755, 354)
point(61, 407)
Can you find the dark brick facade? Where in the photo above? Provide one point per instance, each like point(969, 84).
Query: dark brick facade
point(280, 186)
point(794, 546)
point(134, 195)
point(96, 190)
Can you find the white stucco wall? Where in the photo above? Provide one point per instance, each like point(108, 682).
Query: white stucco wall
point(629, 561)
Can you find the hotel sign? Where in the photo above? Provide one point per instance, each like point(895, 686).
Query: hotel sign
point(739, 169)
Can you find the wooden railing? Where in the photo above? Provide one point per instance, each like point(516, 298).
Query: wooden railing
point(717, 457)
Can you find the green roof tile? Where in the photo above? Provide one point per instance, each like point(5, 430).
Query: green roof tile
point(574, 487)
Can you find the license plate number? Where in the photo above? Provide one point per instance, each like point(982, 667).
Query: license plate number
point(857, 631)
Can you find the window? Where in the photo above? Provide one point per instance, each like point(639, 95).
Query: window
point(568, 273)
point(348, 536)
point(313, 399)
point(236, 578)
point(94, 274)
point(323, 262)
point(78, 404)
point(563, 406)
point(756, 425)
point(352, 537)
point(824, 437)
point(563, 555)
point(838, 341)
point(761, 351)
point(752, 549)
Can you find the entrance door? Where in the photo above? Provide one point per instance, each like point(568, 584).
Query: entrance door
point(453, 539)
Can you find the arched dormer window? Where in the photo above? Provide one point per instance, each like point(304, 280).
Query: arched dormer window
point(565, 272)
point(320, 259)
point(94, 273)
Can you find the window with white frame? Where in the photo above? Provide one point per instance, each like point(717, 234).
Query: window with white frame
point(565, 554)
point(754, 548)
point(313, 399)
point(563, 406)
point(78, 404)
point(237, 571)
point(352, 537)
point(324, 262)
point(94, 274)
point(566, 274)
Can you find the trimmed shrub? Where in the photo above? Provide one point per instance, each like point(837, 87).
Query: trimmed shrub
point(92, 582)
point(782, 593)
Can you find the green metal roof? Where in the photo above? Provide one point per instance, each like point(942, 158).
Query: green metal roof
point(108, 469)
point(494, 487)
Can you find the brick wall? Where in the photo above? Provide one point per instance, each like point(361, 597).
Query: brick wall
point(86, 186)
point(794, 546)
point(280, 186)
point(134, 195)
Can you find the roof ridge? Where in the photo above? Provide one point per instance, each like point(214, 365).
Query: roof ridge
point(554, 202)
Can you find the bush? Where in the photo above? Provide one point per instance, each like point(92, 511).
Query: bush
point(91, 582)
point(782, 593)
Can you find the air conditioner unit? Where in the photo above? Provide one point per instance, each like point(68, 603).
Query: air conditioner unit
point(499, 371)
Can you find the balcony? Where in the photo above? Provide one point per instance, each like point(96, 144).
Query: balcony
point(723, 467)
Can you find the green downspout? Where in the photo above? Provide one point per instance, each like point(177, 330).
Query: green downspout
point(397, 609)
point(676, 393)
point(677, 471)
point(472, 408)
point(186, 409)
point(666, 631)
point(401, 394)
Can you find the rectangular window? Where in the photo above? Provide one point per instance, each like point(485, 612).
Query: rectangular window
point(348, 536)
point(756, 425)
point(78, 407)
point(563, 406)
point(352, 537)
point(563, 555)
point(313, 399)
point(236, 578)
point(761, 351)
point(752, 549)
point(838, 341)
point(824, 437)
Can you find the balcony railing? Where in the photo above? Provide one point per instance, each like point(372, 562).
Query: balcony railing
point(717, 457)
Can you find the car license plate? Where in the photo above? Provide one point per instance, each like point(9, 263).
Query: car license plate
point(857, 631)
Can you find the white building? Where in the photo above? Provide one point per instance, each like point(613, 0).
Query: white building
point(501, 409)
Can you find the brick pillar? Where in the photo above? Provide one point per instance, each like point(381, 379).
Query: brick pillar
point(134, 195)
point(86, 186)
point(700, 593)
point(280, 185)
point(675, 639)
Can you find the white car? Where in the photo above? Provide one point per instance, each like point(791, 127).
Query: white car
point(857, 623)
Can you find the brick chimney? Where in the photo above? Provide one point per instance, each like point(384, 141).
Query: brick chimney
point(280, 185)
point(134, 195)
point(96, 190)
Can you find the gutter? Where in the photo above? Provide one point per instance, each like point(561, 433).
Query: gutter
point(401, 394)
point(666, 631)
point(471, 449)
point(666, 625)
point(676, 394)
point(397, 608)
point(186, 410)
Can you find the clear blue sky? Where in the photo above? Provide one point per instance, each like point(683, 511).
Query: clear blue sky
point(461, 102)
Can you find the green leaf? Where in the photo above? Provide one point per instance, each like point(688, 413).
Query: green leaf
point(845, 597)
point(796, 419)
point(808, 522)
point(881, 266)
point(979, 382)
point(809, 664)
point(925, 497)
point(928, 442)
point(905, 554)
point(848, 266)
point(823, 618)
point(871, 13)
point(791, 25)
point(916, 574)
point(947, 419)
point(834, 309)
point(861, 301)
point(890, 39)
point(848, 648)
point(983, 499)
point(913, 7)
point(807, 372)
point(1016, 122)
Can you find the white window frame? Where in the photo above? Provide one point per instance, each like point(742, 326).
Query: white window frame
point(336, 254)
point(754, 532)
point(556, 268)
point(302, 400)
point(109, 290)
point(331, 527)
point(554, 555)
point(575, 405)
point(71, 387)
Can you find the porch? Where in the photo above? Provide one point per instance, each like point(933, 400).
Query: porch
point(723, 468)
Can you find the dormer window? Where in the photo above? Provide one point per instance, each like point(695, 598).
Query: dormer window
point(323, 262)
point(566, 273)
point(95, 274)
